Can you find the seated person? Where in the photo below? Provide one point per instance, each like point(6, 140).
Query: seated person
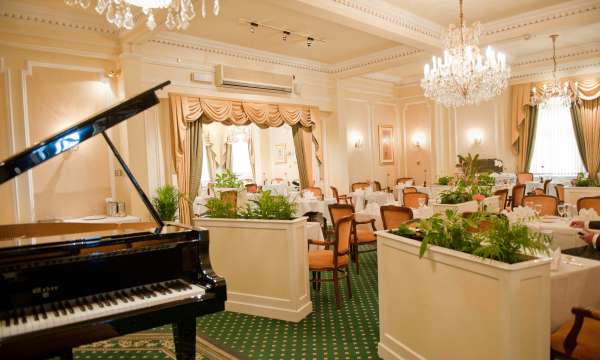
point(590, 237)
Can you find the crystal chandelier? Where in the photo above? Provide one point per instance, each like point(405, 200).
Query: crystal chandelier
point(464, 76)
point(120, 13)
point(554, 95)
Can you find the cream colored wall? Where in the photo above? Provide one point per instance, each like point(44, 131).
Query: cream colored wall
point(7, 215)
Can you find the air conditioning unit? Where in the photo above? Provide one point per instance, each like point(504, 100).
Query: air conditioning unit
point(251, 79)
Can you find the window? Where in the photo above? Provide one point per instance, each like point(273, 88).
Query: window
point(205, 175)
point(240, 158)
point(555, 152)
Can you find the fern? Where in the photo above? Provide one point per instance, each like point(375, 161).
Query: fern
point(166, 202)
point(227, 179)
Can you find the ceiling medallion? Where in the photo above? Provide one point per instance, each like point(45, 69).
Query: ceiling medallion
point(464, 76)
point(120, 12)
point(555, 95)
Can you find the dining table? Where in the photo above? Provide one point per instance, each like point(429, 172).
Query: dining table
point(305, 205)
point(361, 197)
point(372, 211)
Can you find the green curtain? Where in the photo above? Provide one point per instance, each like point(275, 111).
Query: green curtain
point(195, 171)
point(228, 156)
point(579, 133)
point(531, 127)
point(297, 134)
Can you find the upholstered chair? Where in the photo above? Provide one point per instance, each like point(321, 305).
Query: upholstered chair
point(518, 192)
point(578, 338)
point(537, 191)
point(340, 199)
point(335, 260)
point(316, 191)
point(408, 190)
point(549, 203)
point(547, 186)
point(411, 200)
point(524, 177)
point(560, 193)
point(592, 202)
point(502, 197)
point(404, 180)
point(393, 216)
point(251, 188)
point(359, 185)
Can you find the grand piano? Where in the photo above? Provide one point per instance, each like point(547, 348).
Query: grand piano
point(65, 285)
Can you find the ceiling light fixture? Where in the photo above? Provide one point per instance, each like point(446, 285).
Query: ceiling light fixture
point(555, 95)
point(464, 76)
point(120, 13)
point(285, 34)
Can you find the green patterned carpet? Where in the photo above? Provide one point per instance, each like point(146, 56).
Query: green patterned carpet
point(349, 333)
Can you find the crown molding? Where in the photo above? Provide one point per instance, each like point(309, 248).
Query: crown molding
point(565, 54)
point(44, 15)
point(378, 58)
point(539, 17)
point(584, 67)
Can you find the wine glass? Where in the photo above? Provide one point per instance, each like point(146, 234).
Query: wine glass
point(562, 210)
point(421, 203)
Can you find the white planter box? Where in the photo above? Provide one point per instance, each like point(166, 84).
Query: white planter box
point(264, 263)
point(572, 194)
point(492, 203)
point(451, 305)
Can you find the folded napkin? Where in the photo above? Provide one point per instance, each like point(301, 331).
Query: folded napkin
point(588, 214)
point(309, 195)
point(555, 264)
point(520, 214)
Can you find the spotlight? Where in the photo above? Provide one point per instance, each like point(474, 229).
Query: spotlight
point(285, 35)
point(309, 41)
point(253, 27)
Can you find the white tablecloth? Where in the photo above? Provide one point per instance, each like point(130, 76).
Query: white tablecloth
point(575, 283)
point(359, 198)
point(276, 189)
point(572, 194)
point(105, 220)
point(314, 232)
point(532, 185)
point(314, 205)
point(563, 236)
point(504, 178)
point(433, 191)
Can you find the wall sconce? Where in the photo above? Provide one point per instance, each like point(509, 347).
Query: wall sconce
point(418, 140)
point(356, 139)
point(476, 137)
point(112, 74)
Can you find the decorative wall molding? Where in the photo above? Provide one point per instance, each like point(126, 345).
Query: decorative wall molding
point(562, 70)
point(378, 58)
point(565, 54)
point(10, 136)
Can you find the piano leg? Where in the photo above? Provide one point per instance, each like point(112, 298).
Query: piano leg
point(66, 355)
point(184, 336)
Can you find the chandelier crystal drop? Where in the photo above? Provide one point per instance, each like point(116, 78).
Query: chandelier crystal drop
point(555, 95)
point(465, 76)
point(120, 13)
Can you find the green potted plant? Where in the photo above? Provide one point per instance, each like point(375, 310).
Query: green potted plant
point(584, 181)
point(228, 185)
point(482, 275)
point(444, 180)
point(166, 202)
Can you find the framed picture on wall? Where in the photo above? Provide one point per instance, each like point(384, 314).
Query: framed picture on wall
point(280, 154)
point(386, 144)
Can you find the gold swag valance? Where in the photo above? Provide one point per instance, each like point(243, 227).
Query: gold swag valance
point(238, 112)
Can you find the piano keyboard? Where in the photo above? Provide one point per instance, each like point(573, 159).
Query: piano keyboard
point(66, 312)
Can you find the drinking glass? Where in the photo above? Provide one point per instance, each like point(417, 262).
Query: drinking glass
point(562, 210)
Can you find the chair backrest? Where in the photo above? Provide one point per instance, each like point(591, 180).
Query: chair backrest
point(524, 177)
point(502, 195)
point(315, 190)
point(335, 193)
point(392, 216)
point(591, 202)
point(411, 200)
point(560, 192)
point(546, 185)
point(251, 188)
point(376, 185)
point(408, 190)
point(482, 225)
point(518, 192)
point(404, 180)
point(338, 211)
point(549, 203)
point(343, 231)
point(538, 191)
point(360, 185)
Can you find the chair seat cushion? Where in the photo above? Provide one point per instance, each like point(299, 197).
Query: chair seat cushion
point(323, 259)
point(588, 340)
point(364, 236)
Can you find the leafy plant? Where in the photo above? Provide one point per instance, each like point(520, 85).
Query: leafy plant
point(456, 196)
point(584, 181)
point(486, 180)
point(267, 206)
point(405, 230)
point(499, 240)
point(166, 202)
point(217, 208)
point(469, 166)
point(227, 179)
point(444, 180)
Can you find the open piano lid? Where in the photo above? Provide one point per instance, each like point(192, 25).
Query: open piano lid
point(78, 133)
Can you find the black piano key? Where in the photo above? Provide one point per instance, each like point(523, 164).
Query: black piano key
point(69, 307)
point(155, 288)
point(6, 317)
point(43, 311)
point(112, 299)
point(117, 295)
point(124, 297)
point(151, 292)
point(62, 308)
point(23, 316)
point(165, 289)
point(54, 309)
point(15, 317)
point(144, 292)
point(34, 310)
point(96, 300)
point(79, 304)
point(88, 304)
point(104, 299)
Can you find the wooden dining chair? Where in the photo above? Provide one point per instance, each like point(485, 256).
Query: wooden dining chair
point(408, 190)
point(335, 260)
point(338, 198)
point(360, 236)
point(524, 177)
point(404, 180)
point(560, 193)
point(579, 338)
point(251, 188)
point(376, 185)
point(411, 200)
point(549, 203)
point(316, 191)
point(360, 186)
point(590, 202)
point(518, 192)
point(547, 186)
point(502, 197)
point(393, 216)
point(537, 191)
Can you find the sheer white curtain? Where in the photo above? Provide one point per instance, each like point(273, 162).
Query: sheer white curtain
point(240, 155)
point(555, 152)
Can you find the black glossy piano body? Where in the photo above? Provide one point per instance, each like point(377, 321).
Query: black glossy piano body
point(64, 286)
